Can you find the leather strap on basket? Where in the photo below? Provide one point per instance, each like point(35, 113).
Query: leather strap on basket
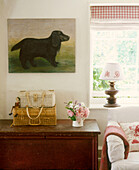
point(36, 116)
point(28, 100)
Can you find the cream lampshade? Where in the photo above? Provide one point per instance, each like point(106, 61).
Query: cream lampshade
point(112, 72)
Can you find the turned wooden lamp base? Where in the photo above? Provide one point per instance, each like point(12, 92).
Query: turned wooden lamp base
point(111, 105)
point(111, 92)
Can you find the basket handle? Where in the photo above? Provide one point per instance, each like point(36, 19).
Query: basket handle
point(36, 116)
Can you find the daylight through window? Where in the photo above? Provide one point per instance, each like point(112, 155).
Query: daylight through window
point(115, 45)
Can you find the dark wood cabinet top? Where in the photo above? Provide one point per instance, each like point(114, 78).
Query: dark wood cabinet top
point(63, 128)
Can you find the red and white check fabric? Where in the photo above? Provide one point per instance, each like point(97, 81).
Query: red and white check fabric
point(115, 12)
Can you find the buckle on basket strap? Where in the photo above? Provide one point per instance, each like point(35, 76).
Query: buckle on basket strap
point(35, 97)
point(31, 122)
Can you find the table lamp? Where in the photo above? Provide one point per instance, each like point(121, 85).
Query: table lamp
point(112, 72)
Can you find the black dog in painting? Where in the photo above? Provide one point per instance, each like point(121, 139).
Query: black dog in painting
point(46, 48)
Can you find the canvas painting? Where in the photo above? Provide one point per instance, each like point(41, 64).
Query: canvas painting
point(41, 45)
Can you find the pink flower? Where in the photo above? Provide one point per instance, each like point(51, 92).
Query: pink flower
point(86, 111)
point(79, 110)
point(70, 113)
point(85, 115)
point(82, 114)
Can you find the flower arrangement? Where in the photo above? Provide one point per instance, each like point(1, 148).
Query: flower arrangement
point(77, 111)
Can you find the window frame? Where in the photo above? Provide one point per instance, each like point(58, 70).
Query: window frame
point(112, 25)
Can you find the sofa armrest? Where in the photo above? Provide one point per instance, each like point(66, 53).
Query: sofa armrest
point(116, 131)
point(115, 148)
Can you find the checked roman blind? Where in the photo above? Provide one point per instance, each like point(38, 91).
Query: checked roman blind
point(114, 12)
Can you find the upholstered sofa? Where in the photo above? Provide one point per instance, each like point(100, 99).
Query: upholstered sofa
point(127, 119)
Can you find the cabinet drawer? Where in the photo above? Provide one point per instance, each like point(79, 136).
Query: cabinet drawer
point(46, 154)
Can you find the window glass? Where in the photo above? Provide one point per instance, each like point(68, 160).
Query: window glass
point(116, 46)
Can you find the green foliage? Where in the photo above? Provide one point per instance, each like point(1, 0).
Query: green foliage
point(69, 102)
point(127, 51)
point(98, 84)
point(73, 118)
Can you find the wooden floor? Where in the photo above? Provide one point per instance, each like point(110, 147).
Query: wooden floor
point(99, 158)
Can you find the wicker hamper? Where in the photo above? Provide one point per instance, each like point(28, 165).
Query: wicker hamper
point(21, 116)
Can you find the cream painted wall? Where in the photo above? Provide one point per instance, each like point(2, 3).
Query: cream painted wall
point(68, 86)
point(115, 1)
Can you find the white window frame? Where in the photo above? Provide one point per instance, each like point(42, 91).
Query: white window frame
point(128, 25)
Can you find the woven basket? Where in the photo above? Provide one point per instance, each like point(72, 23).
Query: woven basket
point(47, 116)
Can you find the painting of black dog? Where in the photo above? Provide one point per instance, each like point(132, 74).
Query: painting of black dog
point(47, 48)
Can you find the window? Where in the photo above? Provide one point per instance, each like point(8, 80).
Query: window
point(115, 42)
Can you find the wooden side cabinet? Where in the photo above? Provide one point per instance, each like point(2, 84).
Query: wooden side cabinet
point(49, 147)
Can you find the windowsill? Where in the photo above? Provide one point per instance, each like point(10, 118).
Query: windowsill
point(96, 106)
point(101, 107)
